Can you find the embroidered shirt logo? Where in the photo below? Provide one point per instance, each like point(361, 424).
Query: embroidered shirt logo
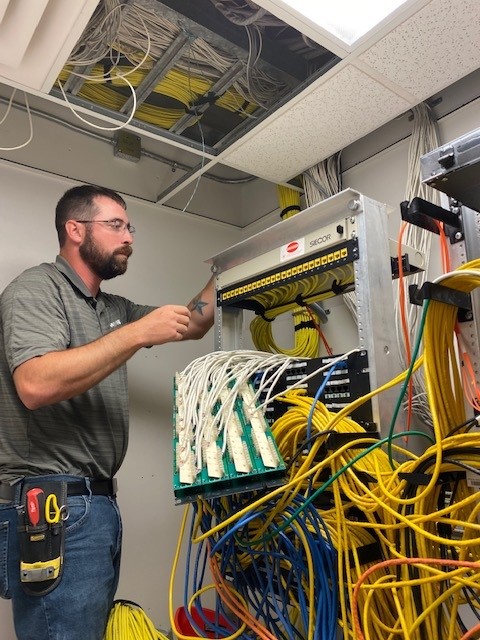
point(115, 323)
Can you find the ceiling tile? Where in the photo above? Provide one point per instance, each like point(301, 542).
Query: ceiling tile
point(430, 50)
point(328, 117)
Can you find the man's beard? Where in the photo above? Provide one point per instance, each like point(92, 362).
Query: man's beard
point(103, 265)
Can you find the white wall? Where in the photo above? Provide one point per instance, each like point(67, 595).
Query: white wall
point(167, 266)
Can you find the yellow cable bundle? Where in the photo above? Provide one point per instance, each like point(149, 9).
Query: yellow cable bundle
point(306, 338)
point(348, 535)
point(128, 621)
point(283, 299)
point(277, 302)
point(175, 84)
point(289, 201)
point(442, 376)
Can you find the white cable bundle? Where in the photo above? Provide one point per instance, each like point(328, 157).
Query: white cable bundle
point(130, 30)
point(322, 180)
point(424, 139)
point(222, 376)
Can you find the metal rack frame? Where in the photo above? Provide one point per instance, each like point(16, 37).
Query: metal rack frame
point(347, 215)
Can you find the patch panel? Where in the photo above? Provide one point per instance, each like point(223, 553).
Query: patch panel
point(350, 380)
point(239, 456)
point(324, 261)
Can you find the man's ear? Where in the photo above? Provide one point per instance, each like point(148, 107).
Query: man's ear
point(75, 231)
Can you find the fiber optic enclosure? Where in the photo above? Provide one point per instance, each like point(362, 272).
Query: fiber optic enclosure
point(454, 169)
point(344, 237)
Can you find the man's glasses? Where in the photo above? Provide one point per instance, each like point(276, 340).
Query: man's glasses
point(118, 225)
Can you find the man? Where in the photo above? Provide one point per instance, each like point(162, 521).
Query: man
point(64, 344)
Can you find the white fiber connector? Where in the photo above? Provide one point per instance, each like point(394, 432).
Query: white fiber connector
point(214, 461)
point(177, 457)
point(246, 392)
point(180, 384)
point(237, 452)
point(187, 472)
point(262, 444)
point(179, 425)
point(210, 433)
point(224, 396)
point(257, 420)
point(273, 451)
point(236, 425)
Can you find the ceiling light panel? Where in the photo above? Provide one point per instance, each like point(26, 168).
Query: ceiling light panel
point(345, 20)
point(36, 38)
point(20, 20)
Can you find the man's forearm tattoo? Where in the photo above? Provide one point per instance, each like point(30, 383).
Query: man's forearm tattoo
point(197, 305)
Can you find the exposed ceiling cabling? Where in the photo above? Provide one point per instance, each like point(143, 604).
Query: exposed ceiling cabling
point(230, 88)
point(201, 70)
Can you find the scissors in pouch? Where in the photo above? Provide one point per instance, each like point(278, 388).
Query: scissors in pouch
point(54, 513)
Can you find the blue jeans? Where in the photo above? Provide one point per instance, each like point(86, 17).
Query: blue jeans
point(78, 608)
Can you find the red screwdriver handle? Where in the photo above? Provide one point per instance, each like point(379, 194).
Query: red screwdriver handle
point(34, 505)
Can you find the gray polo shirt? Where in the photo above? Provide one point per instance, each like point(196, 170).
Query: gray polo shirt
point(49, 308)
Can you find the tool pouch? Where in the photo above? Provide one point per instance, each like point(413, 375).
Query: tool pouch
point(41, 543)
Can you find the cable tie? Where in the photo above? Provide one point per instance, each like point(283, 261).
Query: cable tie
point(338, 288)
point(292, 207)
point(306, 324)
point(209, 98)
point(264, 317)
point(257, 308)
point(300, 300)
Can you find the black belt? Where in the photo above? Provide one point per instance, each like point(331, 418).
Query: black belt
point(74, 488)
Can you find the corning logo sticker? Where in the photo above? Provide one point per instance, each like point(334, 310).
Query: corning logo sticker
point(292, 249)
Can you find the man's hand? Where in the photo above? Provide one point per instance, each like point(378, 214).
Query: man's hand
point(165, 324)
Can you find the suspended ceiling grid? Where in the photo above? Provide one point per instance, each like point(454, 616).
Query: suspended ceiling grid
point(420, 50)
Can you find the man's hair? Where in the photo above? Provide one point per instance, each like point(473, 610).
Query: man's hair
point(78, 203)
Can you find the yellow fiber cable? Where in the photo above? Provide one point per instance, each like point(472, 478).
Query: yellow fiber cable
point(289, 200)
point(175, 84)
point(282, 299)
point(395, 525)
point(127, 621)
